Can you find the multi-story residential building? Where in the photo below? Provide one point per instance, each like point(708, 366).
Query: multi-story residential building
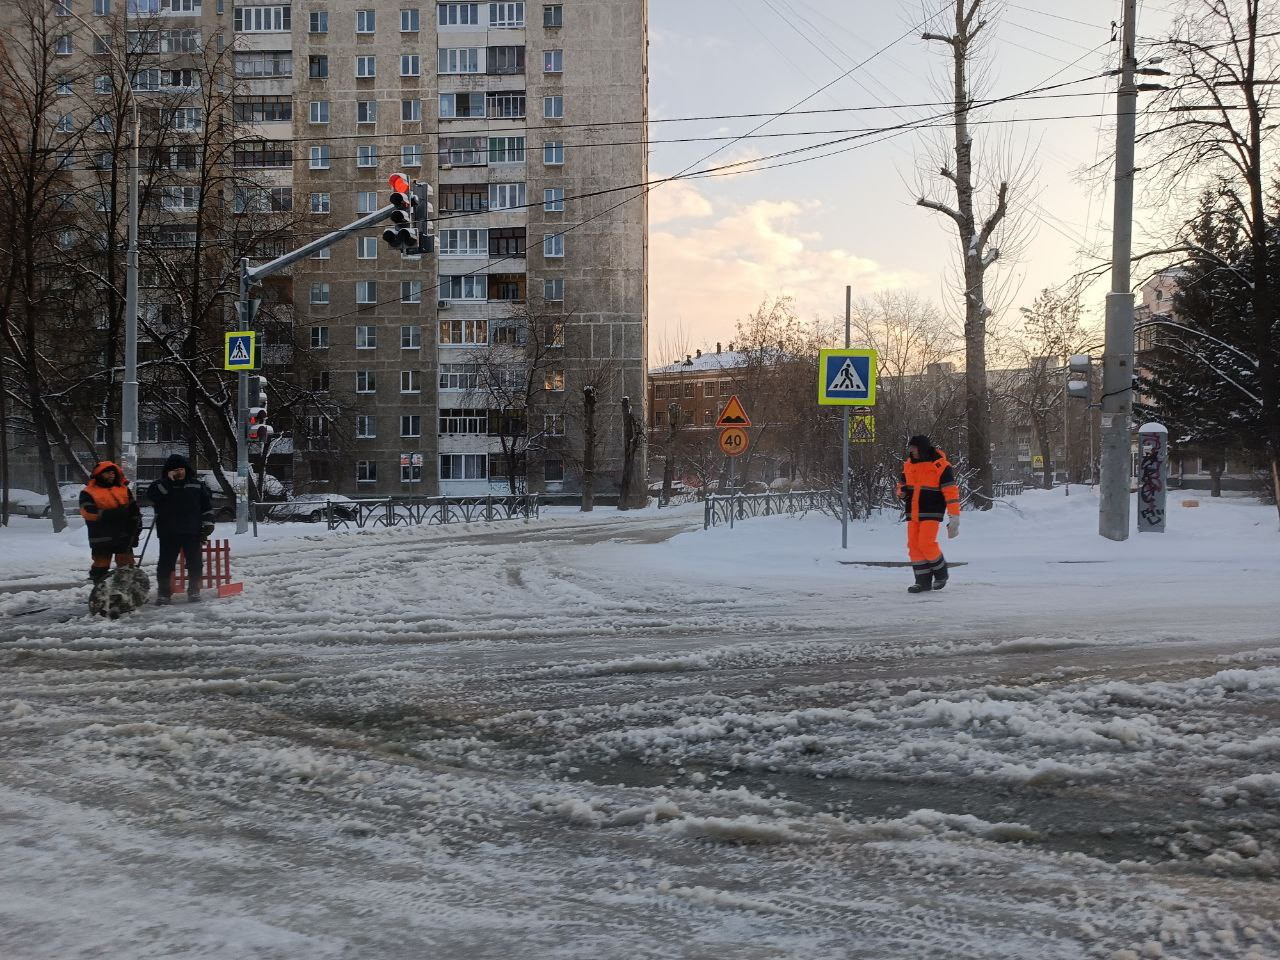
point(528, 120)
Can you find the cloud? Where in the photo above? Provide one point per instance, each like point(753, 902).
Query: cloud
point(710, 265)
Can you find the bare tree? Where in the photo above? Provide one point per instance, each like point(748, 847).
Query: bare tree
point(590, 435)
point(978, 234)
point(1216, 124)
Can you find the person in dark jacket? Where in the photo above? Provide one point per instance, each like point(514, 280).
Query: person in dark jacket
point(929, 493)
point(184, 520)
point(112, 519)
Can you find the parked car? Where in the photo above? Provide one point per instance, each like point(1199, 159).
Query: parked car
point(310, 508)
point(27, 503)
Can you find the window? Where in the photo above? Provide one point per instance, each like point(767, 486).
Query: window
point(464, 151)
point(506, 149)
point(321, 254)
point(506, 15)
point(459, 376)
point(463, 466)
point(262, 154)
point(411, 333)
point(466, 332)
point(504, 61)
point(263, 109)
point(463, 243)
point(182, 198)
point(64, 124)
point(409, 21)
point(410, 292)
point(410, 65)
point(553, 467)
point(366, 248)
point(463, 288)
point(553, 245)
point(320, 381)
point(554, 381)
point(410, 425)
point(320, 157)
point(411, 155)
point(366, 291)
point(726, 388)
point(708, 418)
point(366, 471)
point(553, 152)
point(63, 46)
point(319, 111)
point(709, 389)
point(319, 338)
point(366, 201)
point(459, 60)
point(101, 8)
point(553, 424)
point(366, 67)
point(101, 44)
point(366, 427)
point(553, 289)
point(688, 390)
point(464, 421)
point(366, 111)
point(410, 381)
point(318, 427)
point(64, 87)
point(410, 111)
point(553, 200)
point(319, 21)
point(274, 19)
point(506, 242)
point(366, 338)
point(553, 61)
point(366, 381)
point(458, 14)
point(102, 86)
point(553, 108)
point(62, 8)
point(320, 293)
point(460, 197)
point(364, 21)
point(506, 196)
point(318, 67)
point(508, 106)
point(320, 203)
point(367, 155)
point(265, 64)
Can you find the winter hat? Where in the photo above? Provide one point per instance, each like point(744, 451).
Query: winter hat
point(175, 461)
point(921, 443)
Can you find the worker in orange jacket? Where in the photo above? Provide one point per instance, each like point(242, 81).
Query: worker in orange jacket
point(927, 488)
point(112, 518)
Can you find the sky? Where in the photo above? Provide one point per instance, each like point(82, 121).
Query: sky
point(720, 245)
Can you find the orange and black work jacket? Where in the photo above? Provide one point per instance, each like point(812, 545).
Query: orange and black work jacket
point(928, 488)
point(111, 514)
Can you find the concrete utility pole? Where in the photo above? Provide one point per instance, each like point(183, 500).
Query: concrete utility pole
point(1117, 357)
point(844, 473)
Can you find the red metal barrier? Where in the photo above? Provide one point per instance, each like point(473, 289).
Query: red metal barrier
point(215, 572)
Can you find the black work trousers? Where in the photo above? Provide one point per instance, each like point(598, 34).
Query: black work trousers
point(192, 548)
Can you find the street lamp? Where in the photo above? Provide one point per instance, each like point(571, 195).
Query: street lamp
point(129, 389)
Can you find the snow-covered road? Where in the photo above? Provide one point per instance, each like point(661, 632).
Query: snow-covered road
point(619, 736)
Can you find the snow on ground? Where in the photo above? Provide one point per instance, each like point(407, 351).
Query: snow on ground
point(619, 735)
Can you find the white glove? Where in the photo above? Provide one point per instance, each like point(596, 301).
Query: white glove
point(953, 528)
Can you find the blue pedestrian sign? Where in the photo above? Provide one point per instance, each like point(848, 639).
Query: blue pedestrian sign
point(239, 350)
point(847, 378)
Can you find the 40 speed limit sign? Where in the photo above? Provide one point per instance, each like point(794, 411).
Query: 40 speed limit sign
point(733, 441)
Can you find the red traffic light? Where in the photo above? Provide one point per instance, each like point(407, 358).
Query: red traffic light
point(399, 183)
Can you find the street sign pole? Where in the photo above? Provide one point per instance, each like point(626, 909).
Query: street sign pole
point(242, 412)
point(844, 473)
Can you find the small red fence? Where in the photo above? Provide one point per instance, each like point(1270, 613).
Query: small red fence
point(215, 572)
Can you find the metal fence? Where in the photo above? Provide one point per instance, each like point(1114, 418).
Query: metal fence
point(729, 509)
point(1010, 488)
point(403, 511)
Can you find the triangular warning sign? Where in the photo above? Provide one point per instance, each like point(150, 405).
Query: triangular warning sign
point(239, 352)
point(734, 414)
point(847, 380)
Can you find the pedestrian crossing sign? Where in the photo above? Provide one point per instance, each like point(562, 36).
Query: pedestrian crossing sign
point(240, 350)
point(862, 428)
point(847, 378)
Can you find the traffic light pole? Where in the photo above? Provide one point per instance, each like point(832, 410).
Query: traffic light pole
point(249, 276)
point(1117, 357)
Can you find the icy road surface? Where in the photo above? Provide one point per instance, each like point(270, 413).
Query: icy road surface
point(619, 736)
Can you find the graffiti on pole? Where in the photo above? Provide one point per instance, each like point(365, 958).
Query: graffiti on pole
point(1153, 455)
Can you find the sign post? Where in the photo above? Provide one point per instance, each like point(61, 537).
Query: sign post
point(734, 441)
point(846, 378)
point(1153, 458)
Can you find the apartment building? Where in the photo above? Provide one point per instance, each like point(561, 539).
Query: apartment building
point(528, 120)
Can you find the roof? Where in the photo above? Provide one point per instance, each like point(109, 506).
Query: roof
point(724, 361)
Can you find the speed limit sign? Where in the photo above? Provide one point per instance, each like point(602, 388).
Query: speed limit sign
point(733, 441)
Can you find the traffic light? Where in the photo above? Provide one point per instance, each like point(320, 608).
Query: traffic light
point(259, 430)
point(423, 208)
point(409, 230)
point(1081, 365)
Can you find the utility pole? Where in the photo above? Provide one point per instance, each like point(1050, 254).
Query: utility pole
point(844, 472)
point(1117, 357)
